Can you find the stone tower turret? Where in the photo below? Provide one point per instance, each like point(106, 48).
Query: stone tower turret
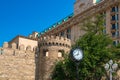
point(50, 48)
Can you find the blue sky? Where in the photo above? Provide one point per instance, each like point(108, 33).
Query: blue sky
point(22, 17)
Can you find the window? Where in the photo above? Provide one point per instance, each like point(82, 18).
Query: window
point(113, 17)
point(113, 26)
point(117, 17)
point(68, 30)
point(59, 54)
point(113, 9)
point(45, 53)
point(62, 34)
point(117, 25)
point(113, 34)
point(28, 48)
point(117, 34)
point(69, 33)
point(68, 36)
point(115, 42)
point(117, 9)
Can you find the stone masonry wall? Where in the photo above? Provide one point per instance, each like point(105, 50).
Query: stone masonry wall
point(50, 51)
point(16, 64)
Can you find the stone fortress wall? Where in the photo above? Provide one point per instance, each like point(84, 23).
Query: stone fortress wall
point(16, 63)
point(22, 62)
point(51, 50)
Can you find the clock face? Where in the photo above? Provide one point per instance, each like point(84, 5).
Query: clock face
point(77, 54)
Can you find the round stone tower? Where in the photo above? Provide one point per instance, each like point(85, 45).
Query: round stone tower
point(50, 51)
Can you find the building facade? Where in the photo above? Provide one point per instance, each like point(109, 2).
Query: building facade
point(42, 50)
point(70, 26)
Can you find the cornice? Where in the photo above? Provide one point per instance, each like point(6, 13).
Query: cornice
point(102, 6)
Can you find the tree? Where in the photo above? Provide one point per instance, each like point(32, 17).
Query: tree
point(98, 50)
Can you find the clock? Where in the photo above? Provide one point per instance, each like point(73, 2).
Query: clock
point(76, 54)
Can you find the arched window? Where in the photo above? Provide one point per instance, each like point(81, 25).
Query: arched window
point(45, 53)
point(60, 53)
point(28, 48)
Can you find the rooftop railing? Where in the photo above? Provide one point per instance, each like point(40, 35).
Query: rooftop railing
point(56, 24)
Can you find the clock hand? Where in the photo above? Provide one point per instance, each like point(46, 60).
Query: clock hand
point(77, 54)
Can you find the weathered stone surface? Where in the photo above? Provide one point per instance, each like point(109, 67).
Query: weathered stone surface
point(50, 48)
point(17, 65)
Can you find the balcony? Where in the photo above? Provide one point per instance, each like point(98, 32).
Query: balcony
point(115, 37)
point(113, 21)
point(112, 13)
point(113, 30)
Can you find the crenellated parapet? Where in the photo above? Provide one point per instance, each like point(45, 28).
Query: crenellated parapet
point(14, 50)
point(52, 46)
point(20, 47)
point(54, 41)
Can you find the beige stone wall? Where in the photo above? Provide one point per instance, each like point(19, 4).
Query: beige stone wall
point(50, 47)
point(16, 64)
point(24, 42)
point(28, 42)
